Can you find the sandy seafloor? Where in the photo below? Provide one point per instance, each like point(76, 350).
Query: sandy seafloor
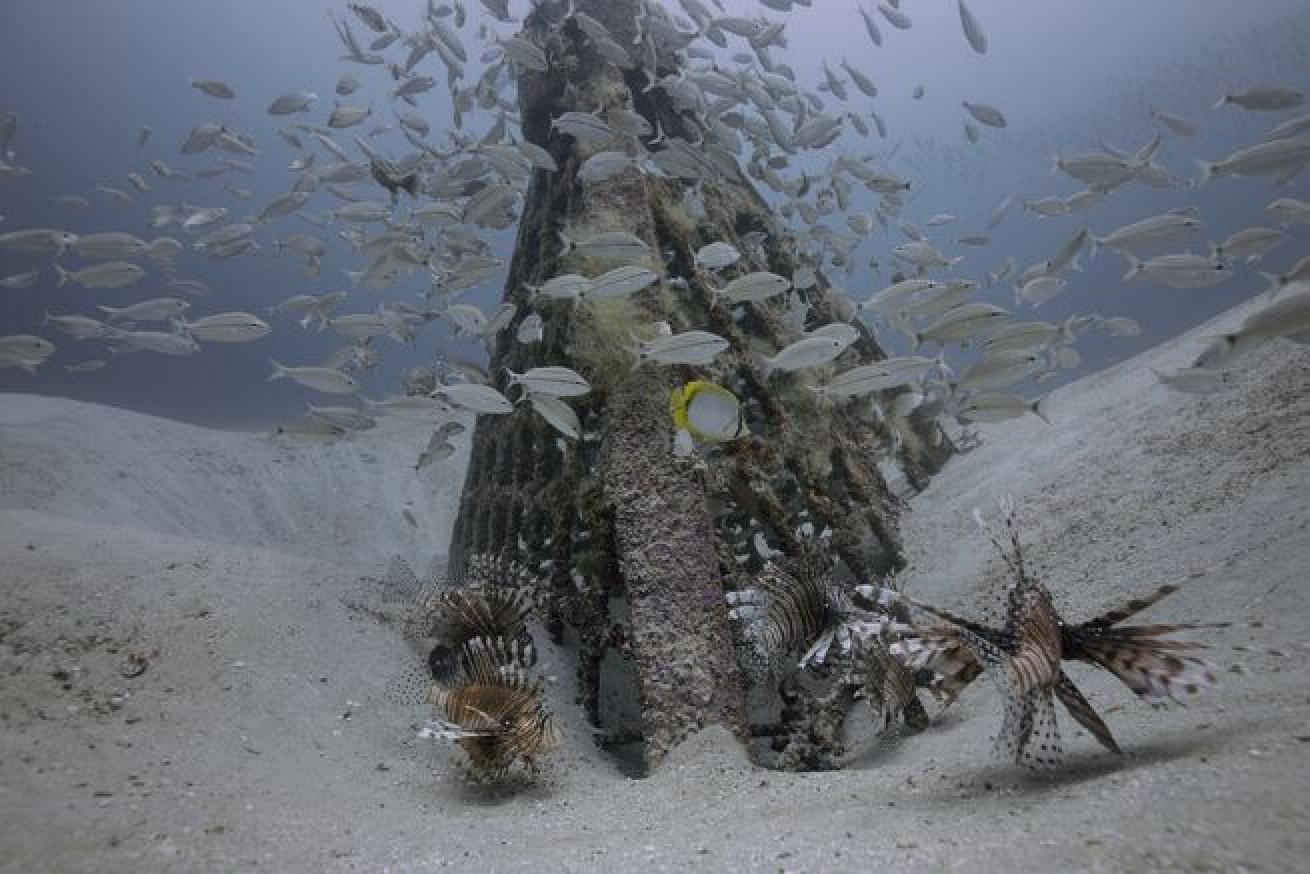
point(258, 735)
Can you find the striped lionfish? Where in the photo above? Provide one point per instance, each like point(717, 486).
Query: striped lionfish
point(487, 701)
point(489, 600)
point(1024, 657)
point(794, 617)
point(494, 709)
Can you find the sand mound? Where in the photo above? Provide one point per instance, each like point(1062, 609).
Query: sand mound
point(339, 500)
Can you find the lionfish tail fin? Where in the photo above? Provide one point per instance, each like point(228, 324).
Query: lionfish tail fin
point(1153, 667)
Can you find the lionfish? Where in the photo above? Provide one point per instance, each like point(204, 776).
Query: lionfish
point(490, 599)
point(793, 617)
point(494, 709)
point(1024, 657)
point(480, 663)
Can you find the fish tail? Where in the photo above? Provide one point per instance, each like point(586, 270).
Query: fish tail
point(1275, 284)
point(566, 244)
point(1221, 102)
point(1055, 164)
point(1096, 247)
point(1134, 266)
point(635, 350)
point(762, 365)
point(1145, 660)
point(942, 367)
point(279, 371)
point(62, 276)
point(1036, 407)
point(1207, 171)
point(1148, 152)
point(109, 311)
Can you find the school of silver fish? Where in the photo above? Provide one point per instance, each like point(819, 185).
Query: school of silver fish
point(417, 197)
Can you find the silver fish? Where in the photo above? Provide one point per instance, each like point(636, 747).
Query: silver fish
point(321, 379)
point(227, 328)
point(995, 407)
point(1178, 271)
point(25, 351)
point(560, 382)
point(557, 414)
point(157, 310)
point(476, 398)
point(78, 327)
point(608, 246)
point(530, 330)
point(293, 103)
point(985, 114)
point(973, 31)
point(802, 354)
point(696, 348)
point(213, 88)
point(569, 286)
point(1251, 244)
point(717, 256)
point(38, 240)
point(160, 342)
point(1263, 99)
point(1001, 369)
point(962, 323)
point(754, 287)
point(619, 282)
point(112, 274)
point(1275, 156)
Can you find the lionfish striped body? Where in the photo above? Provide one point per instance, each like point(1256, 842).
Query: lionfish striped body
point(795, 616)
point(494, 710)
point(489, 600)
point(889, 686)
point(1025, 657)
point(480, 662)
point(790, 615)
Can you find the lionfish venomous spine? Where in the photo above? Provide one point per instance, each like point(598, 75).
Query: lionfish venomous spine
point(1025, 657)
point(487, 698)
point(795, 617)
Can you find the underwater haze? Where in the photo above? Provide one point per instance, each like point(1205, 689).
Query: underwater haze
point(1069, 76)
point(679, 435)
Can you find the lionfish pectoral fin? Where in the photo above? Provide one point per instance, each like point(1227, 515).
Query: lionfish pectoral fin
point(1083, 712)
point(1040, 747)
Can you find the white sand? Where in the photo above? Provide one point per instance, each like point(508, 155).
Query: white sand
point(338, 500)
point(244, 563)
